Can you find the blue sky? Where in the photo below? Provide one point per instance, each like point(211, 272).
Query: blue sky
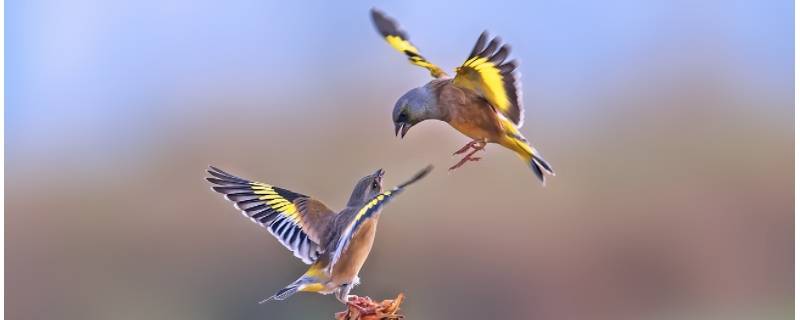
point(94, 69)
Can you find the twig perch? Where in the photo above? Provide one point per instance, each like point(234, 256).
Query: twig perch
point(363, 308)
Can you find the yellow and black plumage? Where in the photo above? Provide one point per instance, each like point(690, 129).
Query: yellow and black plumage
point(398, 39)
point(483, 101)
point(335, 244)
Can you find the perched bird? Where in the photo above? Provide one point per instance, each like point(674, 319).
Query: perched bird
point(334, 244)
point(483, 101)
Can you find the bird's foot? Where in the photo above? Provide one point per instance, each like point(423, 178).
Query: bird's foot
point(468, 157)
point(474, 144)
point(465, 148)
point(463, 161)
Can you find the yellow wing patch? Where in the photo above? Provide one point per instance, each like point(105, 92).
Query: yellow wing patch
point(276, 201)
point(367, 211)
point(401, 44)
point(482, 75)
point(487, 73)
point(397, 38)
point(285, 214)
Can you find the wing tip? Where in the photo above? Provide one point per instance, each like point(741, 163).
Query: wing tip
point(215, 181)
point(425, 171)
point(516, 77)
point(418, 176)
point(376, 13)
point(498, 53)
point(223, 176)
point(494, 49)
point(385, 25)
point(480, 44)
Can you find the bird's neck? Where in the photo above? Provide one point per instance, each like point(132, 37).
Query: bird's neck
point(436, 109)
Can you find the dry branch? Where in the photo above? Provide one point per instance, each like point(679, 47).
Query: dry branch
point(363, 308)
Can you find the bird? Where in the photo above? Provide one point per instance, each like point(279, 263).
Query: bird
point(482, 101)
point(336, 245)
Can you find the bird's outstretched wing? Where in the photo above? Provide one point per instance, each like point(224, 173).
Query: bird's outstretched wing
point(397, 38)
point(367, 211)
point(487, 72)
point(297, 221)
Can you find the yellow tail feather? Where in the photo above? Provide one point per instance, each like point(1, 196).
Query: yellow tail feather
point(520, 146)
point(312, 287)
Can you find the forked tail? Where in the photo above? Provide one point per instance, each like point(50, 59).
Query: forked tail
point(533, 158)
point(303, 284)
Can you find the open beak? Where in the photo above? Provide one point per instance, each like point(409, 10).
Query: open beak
point(379, 175)
point(401, 129)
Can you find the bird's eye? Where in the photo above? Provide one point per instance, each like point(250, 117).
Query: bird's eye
point(375, 185)
point(402, 117)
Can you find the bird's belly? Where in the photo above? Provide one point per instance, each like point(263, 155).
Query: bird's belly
point(477, 120)
point(353, 258)
point(477, 131)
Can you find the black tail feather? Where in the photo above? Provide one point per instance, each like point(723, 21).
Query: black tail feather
point(543, 164)
point(282, 294)
point(537, 170)
point(540, 166)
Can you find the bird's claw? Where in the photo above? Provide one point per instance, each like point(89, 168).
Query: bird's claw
point(476, 145)
point(464, 160)
point(464, 149)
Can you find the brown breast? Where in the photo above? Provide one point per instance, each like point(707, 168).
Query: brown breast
point(353, 258)
point(469, 113)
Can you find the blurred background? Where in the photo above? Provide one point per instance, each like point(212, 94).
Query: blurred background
point(669, 124)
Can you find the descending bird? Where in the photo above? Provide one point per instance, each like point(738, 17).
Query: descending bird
point(334, 244)
point(483, 101)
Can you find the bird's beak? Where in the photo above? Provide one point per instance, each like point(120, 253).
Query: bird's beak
point(401, 129)
point(379, 176)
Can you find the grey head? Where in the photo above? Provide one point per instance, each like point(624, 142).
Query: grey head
point(366, 188)
point(417, 105)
